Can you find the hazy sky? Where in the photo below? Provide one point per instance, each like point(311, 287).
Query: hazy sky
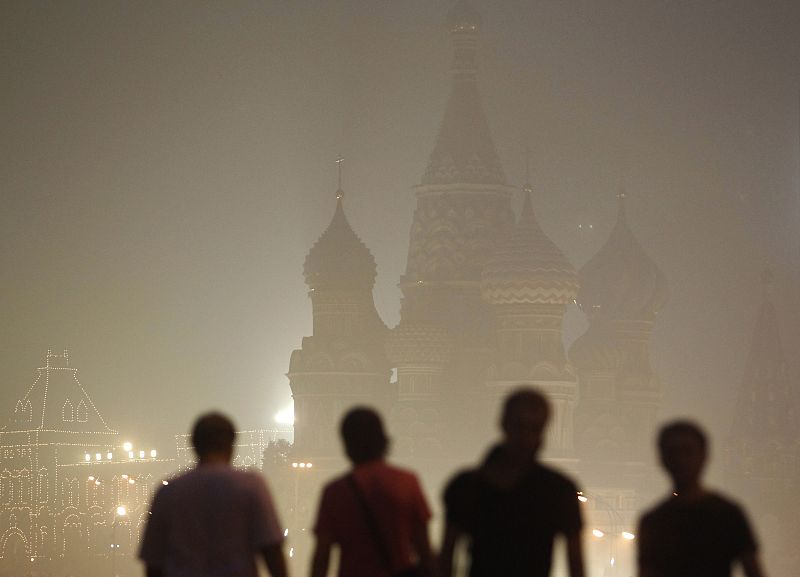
point(165, 167)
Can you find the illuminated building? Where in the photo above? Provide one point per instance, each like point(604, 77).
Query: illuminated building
point(73, 495)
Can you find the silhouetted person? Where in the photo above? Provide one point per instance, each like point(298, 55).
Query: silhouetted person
point(511, 507)
point(214, 520)
point(376, 514)
point(694, 532)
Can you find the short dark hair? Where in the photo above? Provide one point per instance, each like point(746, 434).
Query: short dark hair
point(526, 397)
point(682, 427)
point(212, 433)
point(363, 435)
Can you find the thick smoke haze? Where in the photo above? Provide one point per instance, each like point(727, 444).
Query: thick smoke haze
point(165, 168)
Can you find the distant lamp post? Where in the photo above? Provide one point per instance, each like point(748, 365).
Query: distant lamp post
point(120, 512)
point(297, 466)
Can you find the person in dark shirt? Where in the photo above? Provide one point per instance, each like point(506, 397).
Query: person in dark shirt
point(694, 532)
point(511, 507)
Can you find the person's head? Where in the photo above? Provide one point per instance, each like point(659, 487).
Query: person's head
point(525, 415)
point(683, 447)
point(212, 437)
point(363, 435)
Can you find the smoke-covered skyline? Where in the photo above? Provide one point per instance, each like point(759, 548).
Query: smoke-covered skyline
point(167, 168)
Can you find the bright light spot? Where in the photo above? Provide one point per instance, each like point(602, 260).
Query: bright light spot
point(583, 498)
point(294, 465)
point(131, 481)
point(165, 483)
point(88, 457)
point(91, 477)
point(97, 482)
point(629, 536)
point(97, 456)
point(309, 465)
point(141, 454)
point(286, 532)
point(31, 559)
point(291, 552)
point(613, 561)
point(122, 511)
point(130, 454)
point(127, 446)
point(153, 453)
point(109, 456)
point(302, 465)
point(285, 416)
point(124, 476)
point(598, 533)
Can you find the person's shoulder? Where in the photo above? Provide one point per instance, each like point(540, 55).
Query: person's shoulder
point(336, 485)
point(555, 478)
point(402, 474)
point(657, 511)
point(723, 503)
point(464, 480)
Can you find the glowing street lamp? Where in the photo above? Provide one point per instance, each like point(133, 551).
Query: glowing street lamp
point(120, 511)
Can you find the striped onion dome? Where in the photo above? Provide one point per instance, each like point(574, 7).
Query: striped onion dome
point(527, 267)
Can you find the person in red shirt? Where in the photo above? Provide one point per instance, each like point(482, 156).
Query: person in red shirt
point(376, 514)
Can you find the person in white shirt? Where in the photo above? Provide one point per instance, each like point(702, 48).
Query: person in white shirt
point(215, 520)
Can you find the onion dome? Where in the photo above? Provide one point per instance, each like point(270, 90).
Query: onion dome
point(418, 343)
point(621, 282)
point(339, 259)
point(527, 267)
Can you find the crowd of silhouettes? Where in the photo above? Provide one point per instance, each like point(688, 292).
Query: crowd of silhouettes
point(215, 521)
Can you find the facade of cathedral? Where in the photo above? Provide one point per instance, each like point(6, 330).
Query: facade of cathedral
point(484, 295)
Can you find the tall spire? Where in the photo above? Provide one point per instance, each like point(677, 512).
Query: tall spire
point(464, 152)
point(339, 191)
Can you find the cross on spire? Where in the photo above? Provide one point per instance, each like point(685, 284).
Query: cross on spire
point(527, 186)
point(339, 191)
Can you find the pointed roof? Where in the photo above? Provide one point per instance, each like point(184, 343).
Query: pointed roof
point(621, 282)
point(765, 409)
point(57, 401)
point(527, 267)
point(464, 152)
point(339, 259)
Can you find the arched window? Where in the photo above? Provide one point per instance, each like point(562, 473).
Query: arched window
point(83, 414)
point(67, 411)
point(44, 493)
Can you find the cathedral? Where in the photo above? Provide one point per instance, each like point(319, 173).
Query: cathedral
point(484, 295)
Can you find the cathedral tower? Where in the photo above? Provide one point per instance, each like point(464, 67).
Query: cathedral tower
point(463, 207)
point(343, 363)
point(622, 291)
point(528, 281)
